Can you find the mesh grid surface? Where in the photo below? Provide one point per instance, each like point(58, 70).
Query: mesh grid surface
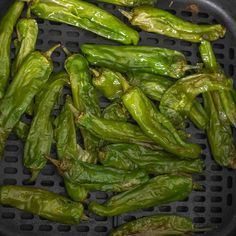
point(215, 206)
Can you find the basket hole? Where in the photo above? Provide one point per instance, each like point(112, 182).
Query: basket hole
point(100, 229)
point(72, 34)
point(56, 64)
point(47, 183)
point(185, 43)
point(12, 137)
point(55, 23)
point(231, 70)
point(229, 200)
point(129, 218)
point(203, 15)
point(10, 170)
point(216, 188)
point(186, 53)
point(186, 13)
point(182, 209)
point(216, 178)
point(26, 227)
point(26, 171)
point(55, 32)
point(100, 218)
point(216, 209)
point(199, 209)
point(8, 215)
point(200, 178)
point(82, 229)
point(171, 11)
point(48, 172)
point(39, 42)
point(164, 208)
point(199, 220)
point(72, 45)
point(45, 228)
point(218, 46)
point(216, 220)
point(216, 199)
point(101, 196)
point(200, 136)
point(41, 31)
point(11, 159)
point(199, 199)
point(148, 209)
point(64, 228)
point(153, 40)
point(203, 146)
point(12, 148)
point(220, 56)
point(169, 42)
point(40, 21)
point(229, 182)
point(53, 42)
point(26, 216)
point(9, 182)
point(216, 168)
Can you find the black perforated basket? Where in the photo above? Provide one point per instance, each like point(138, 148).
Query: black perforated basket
point(216, 206)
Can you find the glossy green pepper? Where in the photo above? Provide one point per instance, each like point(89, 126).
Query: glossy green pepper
point(85, 98)
point(40, 137)
point(29, 80)
point(162, 189)
point(86, 16)
point(148, 59)
point(43, 203)
point(67, 147)
point(96, 177)
point(132, 156)
point(130, 3)
point(164, 225)
point(159, 21)
point(7, 24)
point(157, 126)
point(177, 101)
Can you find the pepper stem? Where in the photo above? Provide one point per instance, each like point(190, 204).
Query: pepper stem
point(74, 110)
point(126, 14)
point(34, 176)
point(49, 53)
point(199, 66)
point(56, 163)
point(66, 51)
point(84, 217)
point(28, 12)
point(96, 73)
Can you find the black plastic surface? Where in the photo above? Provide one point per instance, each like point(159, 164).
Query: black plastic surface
point(216, 206)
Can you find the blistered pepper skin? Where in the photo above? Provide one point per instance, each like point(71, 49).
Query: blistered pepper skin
point(159, 21)
point(43, 203)
point(86, 16)
point(162, 189)
point(7, 24)
point(130, 3)
point(160, 61)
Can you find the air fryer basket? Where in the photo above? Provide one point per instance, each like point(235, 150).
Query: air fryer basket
point(215, 206)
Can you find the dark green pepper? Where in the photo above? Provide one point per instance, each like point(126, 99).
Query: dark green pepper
point(131, 157)
point(97, 177)
point(40, 137)
point(86, 16)
point(158, 21)
point(29, 80)
point(43, 203)
point(130, 3)
point(164, 225)
point(85, 98)
point(157, 126)
point(148, 59)
point(162, 189)
point(7, 24)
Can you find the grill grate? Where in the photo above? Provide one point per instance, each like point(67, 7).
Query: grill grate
point(214, 206)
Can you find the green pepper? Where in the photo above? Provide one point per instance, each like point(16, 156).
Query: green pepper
point(84, 97)
point(29, 80)
point(86, 16)
point(157, 126)
point(67, 147)
point(132, 156)
point(22, 130)
point(130, 3)
point(177, 101)
point(160, 61)
point(40, 137)
point(96, 177)
point(7, 24)
point(158, 21)
point(43, 203)
point(158, 225)
point(162, 189)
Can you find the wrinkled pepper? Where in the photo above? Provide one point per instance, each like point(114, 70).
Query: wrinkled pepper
point(157, 126)
point(85, 98)
point(159, 21)
point(40, 137)
point(29, 80)
point(7, 24)
point(67, 147)
point(177, 101)
point(86, 16)
point(43, 203)
point(132, 156)
point(22, 130)
point(162, 189)
point(96, 177)
point(164, 225)
point(160, 61)
point(130, 3)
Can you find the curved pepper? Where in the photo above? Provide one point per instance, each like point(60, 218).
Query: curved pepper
point(158, 225)
point(96, 177)
point(7, 24)
point(131, 157)
point(160, 61)
point(158, 21)
point(130, 3)
point(29, 80)
point(157, 126)
point(162, 189)
point(86, 16)
point(85, 98)
point(40, 137)
point(177, 101)
point(43, 203)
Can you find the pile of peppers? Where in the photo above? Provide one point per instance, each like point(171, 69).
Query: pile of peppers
point(137, 147)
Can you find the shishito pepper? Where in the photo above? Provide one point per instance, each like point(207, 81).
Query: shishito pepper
point(157, 126)
point(162, 189)
point(29, 80)
point(67, 147)
point(148, 59)
point(40, 137)
point(85, 98)
point(7, 24)
point(86, 16)
point(177, 101)
point(131, 157)
point(43, 203)
point(162, 22)
point(130, 3)
point(97, 177)
point(164, 225)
